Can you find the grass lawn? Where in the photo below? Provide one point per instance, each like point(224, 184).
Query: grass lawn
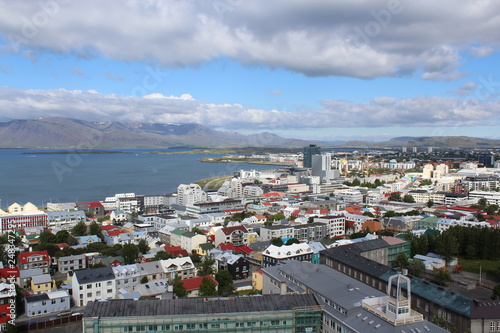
point(472, 266)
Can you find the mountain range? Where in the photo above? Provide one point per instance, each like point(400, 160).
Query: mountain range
point(80, 134)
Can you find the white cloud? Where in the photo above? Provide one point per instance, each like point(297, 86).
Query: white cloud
point(381, 112)
point(465, 89)
point(364, 39)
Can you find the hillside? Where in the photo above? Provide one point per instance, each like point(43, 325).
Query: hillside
point(72, 133)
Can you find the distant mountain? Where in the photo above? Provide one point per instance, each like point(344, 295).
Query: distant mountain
point(80, 134)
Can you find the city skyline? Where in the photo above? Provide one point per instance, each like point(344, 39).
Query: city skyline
point(316, 70)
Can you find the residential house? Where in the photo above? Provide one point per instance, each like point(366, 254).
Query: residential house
point(41, 284)
point(236, 264)
point(93, 284)
point(336, 225)
point(34, 259)
point(152, 270)
point(257, 280)
point(236, 235)
point(274, 255)
point(86, 240)
point(51, 302)
point(118, 216)
point(182, 267)
point(153, 288)
point(25, 276)
point(192, 285)
point(126, 275)
point(204, 248)
point(71, 263)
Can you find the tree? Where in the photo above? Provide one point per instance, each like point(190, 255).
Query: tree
point(401, 261)
point(197, 231)
point(369, 214)
point(97, 265)
point(408, 198)
point(162, 255)
point(143, 246)
point(416, 267)
point(395, 196)
point(144, 279)
point(80, 229)
point(430, 203)
point(178, 287)
point(496, 292)
point(356, 182)
point(195, 257)
point(46, 237)
point(482, 203)
point(207, 287)
point(425, 182)
point(277, 241)
point(62, 236)
point(491, 209)
point(225, 282)
point(95, 230)
point(442, 277)
point(206, 267)
point(130, 253)
point(292, 241)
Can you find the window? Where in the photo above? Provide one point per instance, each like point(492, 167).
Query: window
point(492, 326)
point(191, 326)
point(44, 303)
point(53, 301)
point(109, 283)
point(98, 293)
point(89, 294)
point(214, 325)
point(109, 291)
point(89, 286)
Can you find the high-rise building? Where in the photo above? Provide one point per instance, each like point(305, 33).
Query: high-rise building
point(309, 152)
point(486, 160)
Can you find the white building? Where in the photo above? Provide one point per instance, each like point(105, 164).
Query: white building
point(93, 284)
point(187, 195)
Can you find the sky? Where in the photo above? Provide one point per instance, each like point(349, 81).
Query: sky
point(307, 69)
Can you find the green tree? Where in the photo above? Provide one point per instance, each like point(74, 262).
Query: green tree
point(429, 203)
point(401, 261)
point(197, 231)
point(195, 258)
point(416, 267)
point(491, 209)
point(442, 277)
point(225, 281)
point(425, 182)
point(97, 265)
point(356, 182)
point(408, 198)
point(441, 322)
point(482, 203)
point(46, 237)
point(62, 236)
point(206, 267)
point(369, 214)
point(94, 229)
point(395, 196)
point(162, 255)
point(144, 279)
point(80, 229)
point(207, 287)
point(7, 237)
point(496, 292)
point(130, 253)
point(277, 241)
point(143, 246)
point(178, 287)
point(292, 241)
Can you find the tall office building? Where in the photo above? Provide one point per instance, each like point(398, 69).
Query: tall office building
point(309, 152)
point(486, 160)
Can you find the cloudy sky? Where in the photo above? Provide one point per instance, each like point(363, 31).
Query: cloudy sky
point(309, 69)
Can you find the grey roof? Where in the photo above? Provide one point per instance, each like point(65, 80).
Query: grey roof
point(44, 278)
point(91, 275)
point(371, 245)
point(343, 255)
point(36, 298)
point(198, 305)
point(28, 273)
point(150, 267)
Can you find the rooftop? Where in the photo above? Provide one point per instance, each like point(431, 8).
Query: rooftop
point(197, 305)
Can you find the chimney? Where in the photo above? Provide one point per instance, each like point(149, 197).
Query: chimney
point(283, 288)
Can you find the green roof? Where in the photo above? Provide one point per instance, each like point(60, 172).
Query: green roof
point(179, 231)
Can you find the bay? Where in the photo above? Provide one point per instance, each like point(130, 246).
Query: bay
point(29, 176)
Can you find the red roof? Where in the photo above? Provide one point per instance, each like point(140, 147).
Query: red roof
point(61, 245)
point(261, 217)
point(273, 194)
point(226, 246)
point(108, 227)
point(23, 257)
point(232, 211)
point(350, 223)
point(112, 233)
point(176, 251)
point(91, 204)
point(229, 230)
point(195, 283)
point(244, 249)
point(6, 273)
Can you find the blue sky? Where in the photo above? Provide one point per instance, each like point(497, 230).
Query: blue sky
point(315, 69)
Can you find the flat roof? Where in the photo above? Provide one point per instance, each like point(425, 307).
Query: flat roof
point(197, 305)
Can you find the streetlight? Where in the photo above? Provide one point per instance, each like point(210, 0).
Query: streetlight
point(480, 266)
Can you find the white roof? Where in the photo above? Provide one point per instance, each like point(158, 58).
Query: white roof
point(165, 264)
point(286, 251)
point(57, 294)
